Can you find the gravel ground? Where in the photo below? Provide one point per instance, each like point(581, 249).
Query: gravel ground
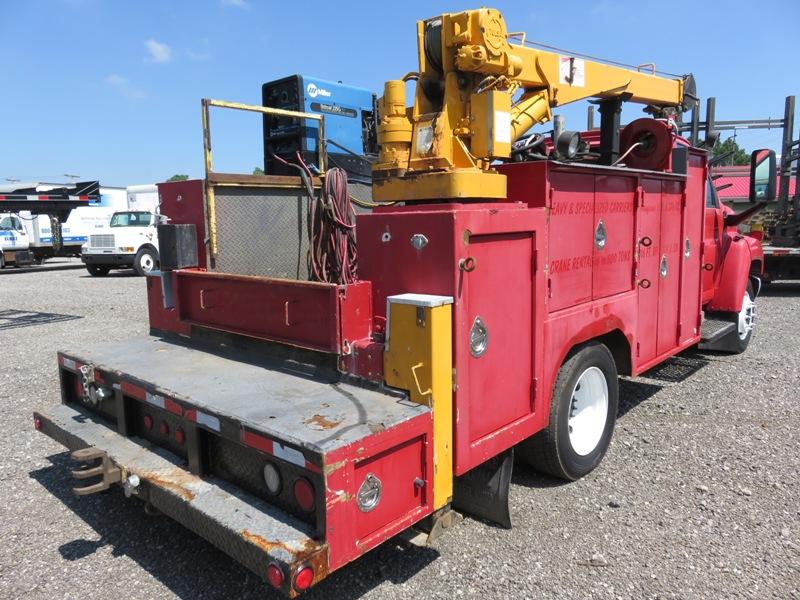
point(698, 497)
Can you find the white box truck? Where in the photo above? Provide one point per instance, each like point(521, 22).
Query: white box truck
point(130, 239)
point(14, 242)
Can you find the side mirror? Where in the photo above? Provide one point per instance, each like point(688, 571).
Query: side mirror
point(763, 176)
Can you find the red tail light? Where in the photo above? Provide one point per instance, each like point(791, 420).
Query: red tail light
point(180, 436)
point(304, 494)
point(148, 422)
point(303, 579)
point(37, 423)
point(163, 428)
point(275, 575)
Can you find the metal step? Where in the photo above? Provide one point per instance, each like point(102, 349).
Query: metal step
point(715, 329)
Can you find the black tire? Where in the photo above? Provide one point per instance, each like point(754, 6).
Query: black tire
point(145, 255)
point(551, 450)
point(734, 342)
point(97, 270)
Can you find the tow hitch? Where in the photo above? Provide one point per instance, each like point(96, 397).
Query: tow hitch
point(108, 472)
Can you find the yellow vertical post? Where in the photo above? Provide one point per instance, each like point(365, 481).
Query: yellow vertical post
point(419, 358)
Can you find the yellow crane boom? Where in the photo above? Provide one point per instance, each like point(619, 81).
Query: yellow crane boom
point(463, 116)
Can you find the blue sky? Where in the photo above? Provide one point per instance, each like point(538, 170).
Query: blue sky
point(111, 90)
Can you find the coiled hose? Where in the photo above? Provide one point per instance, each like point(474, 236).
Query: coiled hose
point(331, 224)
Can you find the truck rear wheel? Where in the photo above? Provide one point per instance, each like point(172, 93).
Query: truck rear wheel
point(738, 339)
point(97, 270)
point(146, 260)
point(583, 410)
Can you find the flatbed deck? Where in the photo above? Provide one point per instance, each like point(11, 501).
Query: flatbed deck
point(286, 401)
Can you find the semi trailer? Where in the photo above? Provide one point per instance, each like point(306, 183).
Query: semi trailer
point(776, 223)
point(298, 413)
point(33, 218)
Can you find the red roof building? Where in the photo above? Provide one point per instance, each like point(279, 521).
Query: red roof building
point(739, 179)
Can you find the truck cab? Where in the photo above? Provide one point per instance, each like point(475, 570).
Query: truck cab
point(14, 242)
point(733, 266)
point(129, 241)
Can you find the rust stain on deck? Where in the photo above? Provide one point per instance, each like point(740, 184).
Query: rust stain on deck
point(320, 422)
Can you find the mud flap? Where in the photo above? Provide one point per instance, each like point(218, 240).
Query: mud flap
point(483, 491)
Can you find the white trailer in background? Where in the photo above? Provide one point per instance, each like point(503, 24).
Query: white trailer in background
point(20, 207)
point(142, 197)
point(75, 231)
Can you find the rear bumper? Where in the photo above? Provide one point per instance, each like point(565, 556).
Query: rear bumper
point(247, 529)
point(113, 260)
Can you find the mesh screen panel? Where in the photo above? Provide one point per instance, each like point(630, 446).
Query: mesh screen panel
point(262, 231)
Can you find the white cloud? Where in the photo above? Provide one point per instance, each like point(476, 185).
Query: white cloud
point(116, 80)
point(125, 87)
point(201, 53)
point(236, 3)
point(159, 52)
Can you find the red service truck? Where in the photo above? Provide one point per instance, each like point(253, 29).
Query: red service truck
point(298, 413)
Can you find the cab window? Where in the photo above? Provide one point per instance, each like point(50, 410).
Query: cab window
point(10, 223)
point(131, 219)
point(711, 196)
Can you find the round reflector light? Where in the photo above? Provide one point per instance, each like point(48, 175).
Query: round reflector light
point(304, 494)
point(272, 478)
point(274, 575)
point(37, 423)
point(303, 579)
point(163, 428)
point(148, 422)
point(180, 436)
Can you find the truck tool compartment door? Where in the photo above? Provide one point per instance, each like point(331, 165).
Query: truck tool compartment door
point(571, 244)
point(499, 293)
point(612, 264)
point(649, 240)
point(691, 247)
point(669, 265)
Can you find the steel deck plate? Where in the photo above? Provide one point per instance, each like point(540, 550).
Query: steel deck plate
point(290, 406)
point(713, 329)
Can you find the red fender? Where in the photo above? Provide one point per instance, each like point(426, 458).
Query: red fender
point(756, 252)
point(735, 274)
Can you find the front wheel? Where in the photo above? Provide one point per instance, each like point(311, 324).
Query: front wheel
point(97, 270)
point(583, 410)
point(738, 340)
point(145, 261)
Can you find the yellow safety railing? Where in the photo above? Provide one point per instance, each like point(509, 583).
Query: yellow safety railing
point(211, 180)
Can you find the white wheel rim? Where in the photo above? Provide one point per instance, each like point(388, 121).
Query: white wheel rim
point(747, 316)
point(146, 262)
point(588, 411)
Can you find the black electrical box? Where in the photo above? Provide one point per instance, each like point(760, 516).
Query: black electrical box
point(177, 246)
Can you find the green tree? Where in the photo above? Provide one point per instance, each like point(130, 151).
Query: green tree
point(258, 171)
point(178, 178)
point(739, 156)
